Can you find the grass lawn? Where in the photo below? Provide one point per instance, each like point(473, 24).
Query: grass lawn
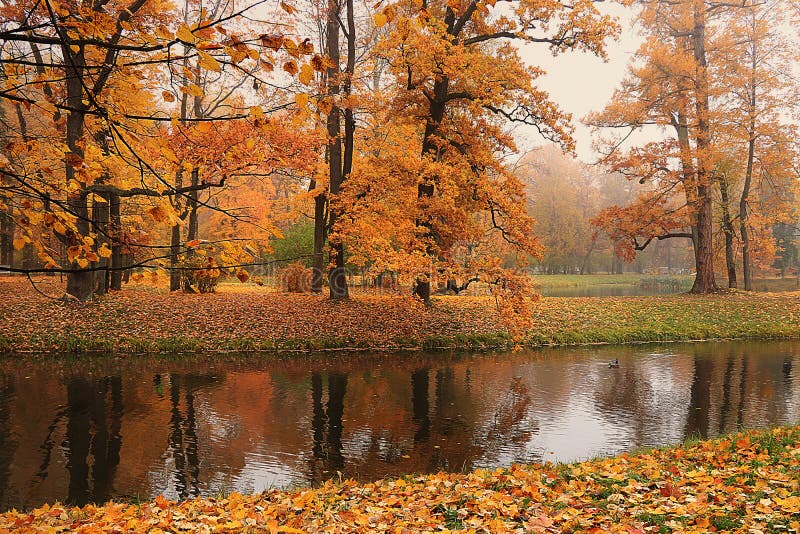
point(743, 483)
point(141, 319)
point(555, 281)
point(684, 282)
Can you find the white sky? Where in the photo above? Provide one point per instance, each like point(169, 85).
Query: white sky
point(581, 82)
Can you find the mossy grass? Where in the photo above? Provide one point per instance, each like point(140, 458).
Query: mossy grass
point(469, 323)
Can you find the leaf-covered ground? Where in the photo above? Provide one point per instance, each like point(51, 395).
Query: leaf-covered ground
point(744, 483)
point(144, 320)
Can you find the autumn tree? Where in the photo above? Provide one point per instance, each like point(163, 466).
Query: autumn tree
point(455, 76)
point(563, 195)
point(667, 86)
point(755, 134)
point(86, 77)
point(340, 149)
point(679, 82)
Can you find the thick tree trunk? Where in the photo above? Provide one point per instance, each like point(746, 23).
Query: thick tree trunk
point(337, 276)
point(320, 222)
point(174, 251)
point(80, 284)
point(194, 225)
point(115, 227)
point(100, 218)
point(6, 239)
point(727, 229)
point(704, 281)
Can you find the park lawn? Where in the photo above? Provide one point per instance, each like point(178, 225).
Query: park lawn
point(559, 281)
point(749, 482)
point(140, 319)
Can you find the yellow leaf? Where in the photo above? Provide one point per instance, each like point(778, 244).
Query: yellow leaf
point(192, 90)
point(256, 111)
point(380, 19)
point(91, 256)
point(290, 67)
point(306, 74)
point(193, 243)
point(203, 126)
point(290, 47)
point(170, 155)
point(19, 242)
point(88, 241)
point(167, 96)
point(73, 252)
point(324, 106)
point(162, 32)
point(208, 62)
point(82, 263)
point(104, 251)
point(158, 213)
point(185, 34)
point(302, 100)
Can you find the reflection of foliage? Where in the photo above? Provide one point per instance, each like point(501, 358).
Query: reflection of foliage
point(510, 413)
point(201, 274)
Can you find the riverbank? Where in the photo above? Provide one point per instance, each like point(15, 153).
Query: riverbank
point(142, 320)
point(742, 483)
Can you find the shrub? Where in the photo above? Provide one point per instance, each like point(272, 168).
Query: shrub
point(297, 278)
point(202, 275)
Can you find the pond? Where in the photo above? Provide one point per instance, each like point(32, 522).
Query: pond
point(614, 290)
point(136, 427)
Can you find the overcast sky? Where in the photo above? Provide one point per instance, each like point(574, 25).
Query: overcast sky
point(581, 83)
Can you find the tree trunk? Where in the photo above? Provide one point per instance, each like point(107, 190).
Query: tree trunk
point(337, 277)
point(427, 187)
point(174, 251)
point(100, 217)
point(320, 223)
point(747, 264)
point(6, 239)
point(194, 226)
point(115, 228)
point(80, 284)
point(727, 229)
point(704, 281)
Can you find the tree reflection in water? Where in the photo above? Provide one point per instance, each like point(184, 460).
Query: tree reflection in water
point(94, 420)
point(100, 429)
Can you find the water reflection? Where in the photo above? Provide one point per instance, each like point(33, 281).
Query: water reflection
point(106, 428)
point(613, 290)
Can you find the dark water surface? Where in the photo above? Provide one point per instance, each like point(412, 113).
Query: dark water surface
point(137, 427)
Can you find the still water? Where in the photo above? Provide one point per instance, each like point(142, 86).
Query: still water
point(613, 290)
point(138, 427)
